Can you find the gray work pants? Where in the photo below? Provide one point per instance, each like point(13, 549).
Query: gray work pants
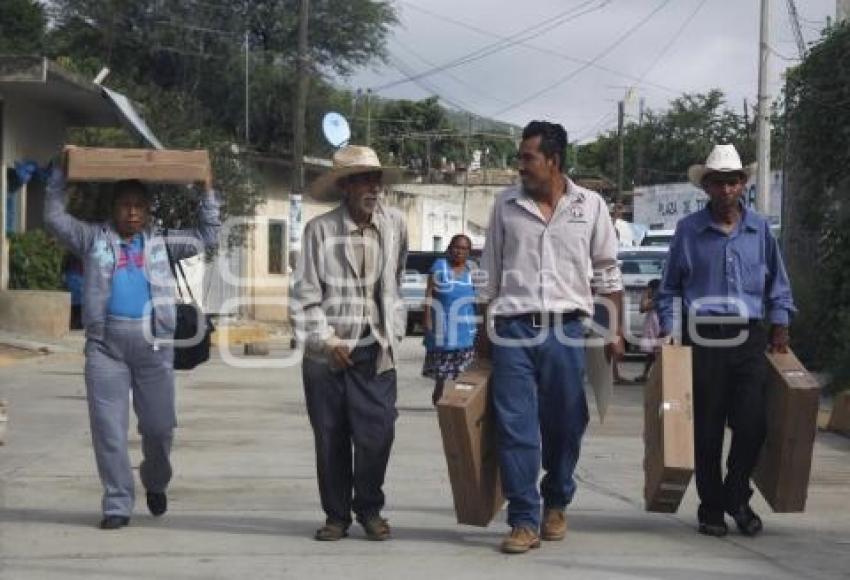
point(121, 362)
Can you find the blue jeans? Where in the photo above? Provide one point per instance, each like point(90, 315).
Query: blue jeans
point(538, 401)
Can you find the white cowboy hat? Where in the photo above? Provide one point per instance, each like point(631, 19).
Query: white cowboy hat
point(351, 160)
point(722, 159)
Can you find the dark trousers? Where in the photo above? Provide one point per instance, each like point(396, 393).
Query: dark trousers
point(353, 413)
point(729, 388)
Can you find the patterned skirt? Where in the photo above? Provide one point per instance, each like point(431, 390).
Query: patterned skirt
point(447, 364)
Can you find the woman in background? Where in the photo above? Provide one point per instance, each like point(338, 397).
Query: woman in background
point(449, 316)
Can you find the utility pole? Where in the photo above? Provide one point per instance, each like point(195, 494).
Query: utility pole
point(621, 137)
point(298, 131)
point(466, 175)
point(639, 160)
point(763, 142)
point(247, 91)
point(368, 117)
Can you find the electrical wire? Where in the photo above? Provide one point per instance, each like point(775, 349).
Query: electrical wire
point(514, 39)
point(571, 75)
point(540, 49)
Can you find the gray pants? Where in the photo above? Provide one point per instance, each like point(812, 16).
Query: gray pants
point(115, 365)
point(351, 408)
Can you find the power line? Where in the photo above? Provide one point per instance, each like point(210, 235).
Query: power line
point(540, 49)
point(534, 30)
point(452, 76)
point(673, 39)
point(582, 68)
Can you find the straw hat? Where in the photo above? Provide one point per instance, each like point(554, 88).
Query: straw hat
point(722, 159)
point(351, 160)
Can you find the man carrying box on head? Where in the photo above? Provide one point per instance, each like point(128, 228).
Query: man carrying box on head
point(129, 296)
point(349, 312)
point(543, 239)
point(726, 266)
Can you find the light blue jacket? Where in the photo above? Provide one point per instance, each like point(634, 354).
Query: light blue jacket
point(97, 245)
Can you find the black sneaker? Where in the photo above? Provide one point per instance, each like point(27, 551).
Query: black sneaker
point(747, 521)
point(114, 522)
point(712, 523)
point(157, 502)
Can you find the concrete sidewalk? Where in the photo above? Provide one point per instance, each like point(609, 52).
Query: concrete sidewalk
point(244, 504)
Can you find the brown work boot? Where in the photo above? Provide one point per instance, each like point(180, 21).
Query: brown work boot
point(332, 531)
point(554, 524)
point(520, 540)
point(376, 528)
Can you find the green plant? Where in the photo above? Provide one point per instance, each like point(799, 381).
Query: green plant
point(35, 261)
point(817, 236)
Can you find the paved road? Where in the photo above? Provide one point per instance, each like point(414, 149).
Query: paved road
point(244, 504)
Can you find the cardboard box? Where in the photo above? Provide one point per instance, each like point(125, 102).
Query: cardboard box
point(150, 165)
point(793, 396)
point(470, 446)
point(668, 429)
point(839, 419)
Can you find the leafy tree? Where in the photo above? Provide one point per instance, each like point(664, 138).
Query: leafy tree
point(672, 140)
point(22, 27)
point(816, 222)
point(184, 62)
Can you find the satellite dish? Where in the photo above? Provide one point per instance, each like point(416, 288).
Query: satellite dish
point(336, 129)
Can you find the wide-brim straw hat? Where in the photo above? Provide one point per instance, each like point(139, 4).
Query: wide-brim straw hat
point(347, 161)
point(722, 159)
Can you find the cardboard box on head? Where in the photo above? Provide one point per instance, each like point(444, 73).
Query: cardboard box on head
point(793, 397)
point(150, 165)
point(668, 429)
point(469, 442)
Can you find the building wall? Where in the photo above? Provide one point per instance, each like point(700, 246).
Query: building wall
point(29, 132)
point(431, 211)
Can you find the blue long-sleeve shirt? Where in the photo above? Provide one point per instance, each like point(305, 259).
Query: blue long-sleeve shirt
point(717, 274)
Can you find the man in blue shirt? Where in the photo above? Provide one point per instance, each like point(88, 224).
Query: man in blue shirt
point(736, 302)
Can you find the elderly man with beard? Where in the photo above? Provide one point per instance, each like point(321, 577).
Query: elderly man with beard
point(350, 315)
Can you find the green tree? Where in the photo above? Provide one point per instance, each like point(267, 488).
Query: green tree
point(816, 216)
point(22, 27)
point(672, 140)
point(184, 62)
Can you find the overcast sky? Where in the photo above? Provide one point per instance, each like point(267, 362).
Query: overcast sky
point(660, 47)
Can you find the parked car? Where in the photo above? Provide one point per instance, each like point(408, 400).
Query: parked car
point(638, 266)
point(414, 282)
point(657, 238)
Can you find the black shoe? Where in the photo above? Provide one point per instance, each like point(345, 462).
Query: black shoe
point(747, 521)
point(157, 503)
point(114, 522)
point(711, 523)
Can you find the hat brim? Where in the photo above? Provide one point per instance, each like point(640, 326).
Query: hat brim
point(325, 187)
point(697, 173)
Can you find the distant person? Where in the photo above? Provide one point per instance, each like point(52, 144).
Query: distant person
point(543, 236)
point(347, 290)
point(449, 319)
point(651, 328)
point(724, 263)
point(129, 294)
point(625, 233)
